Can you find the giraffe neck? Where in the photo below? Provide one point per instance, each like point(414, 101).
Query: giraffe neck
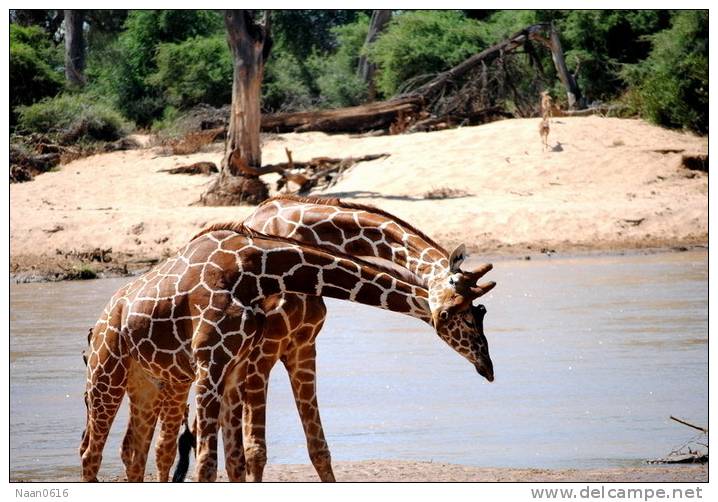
point(354, 232)
point(266, 266)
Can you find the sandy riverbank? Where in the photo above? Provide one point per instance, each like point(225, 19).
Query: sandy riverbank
point(413, 471)
point(609, 184)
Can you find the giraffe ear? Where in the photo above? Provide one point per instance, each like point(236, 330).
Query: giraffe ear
point(457, 257)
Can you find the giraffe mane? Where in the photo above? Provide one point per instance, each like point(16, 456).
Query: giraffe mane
point(239, 228)
point(231, 226)
point(335, 201)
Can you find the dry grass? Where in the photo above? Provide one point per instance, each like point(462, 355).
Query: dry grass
point(445, 193)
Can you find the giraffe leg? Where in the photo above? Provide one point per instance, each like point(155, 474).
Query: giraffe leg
point(214, 363)
point(254, 409)
point(174, 403)
point(231, 424)
point(300, 361)
point(144, 394)
point(208, 409)
point(106, 387)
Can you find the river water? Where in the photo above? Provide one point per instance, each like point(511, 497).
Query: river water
point(591, 354)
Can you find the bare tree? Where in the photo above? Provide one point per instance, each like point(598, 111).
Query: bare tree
point(250, 44)
point(74, 47)
point(366, 69)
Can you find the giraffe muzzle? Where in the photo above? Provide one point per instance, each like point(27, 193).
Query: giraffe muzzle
point(484, 371)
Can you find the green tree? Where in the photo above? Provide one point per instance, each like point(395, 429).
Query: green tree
point(418, 43)
point(197, 70)
point(670, 87)
point(35, 67)
point(125, 73)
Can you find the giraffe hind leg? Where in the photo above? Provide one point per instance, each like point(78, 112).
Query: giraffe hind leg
point(144, 394)
point(106, 388)
point(172, 413)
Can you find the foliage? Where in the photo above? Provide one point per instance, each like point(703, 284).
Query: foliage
point(197, 70)
point(127, 74)
point(600, 41)
point(34, 67)
point(336, 74)
point(73, 117)
point(422, 42)
point(306, 32)
point(286, 83)
point(670, 87)
point(155, 65)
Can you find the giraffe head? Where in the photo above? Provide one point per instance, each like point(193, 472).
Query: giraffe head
point(457, 321)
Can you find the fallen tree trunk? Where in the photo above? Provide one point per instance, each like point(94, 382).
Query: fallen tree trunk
point(432, 88)
point(352, 119)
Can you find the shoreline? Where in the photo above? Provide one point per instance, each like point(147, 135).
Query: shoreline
point(33, 269)
point(611, 188)
point(392, 471)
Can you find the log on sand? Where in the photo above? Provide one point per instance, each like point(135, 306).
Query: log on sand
point(352, 119)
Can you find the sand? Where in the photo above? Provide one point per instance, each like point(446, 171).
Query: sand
point(411, 471)
point(603, 187)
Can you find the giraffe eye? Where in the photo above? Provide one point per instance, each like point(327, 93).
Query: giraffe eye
point(452, 281)
point(444, 315)
point(468, 323)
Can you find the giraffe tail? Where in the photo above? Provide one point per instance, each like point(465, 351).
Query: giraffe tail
point(185, 444)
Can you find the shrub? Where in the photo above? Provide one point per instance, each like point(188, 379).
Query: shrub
point(600, 41)
point(336, 74)
point(286, 84)
point(197, 70)
point(126, 74)
point(73, 118)
point(670, 87)
point(34, 72)
point(422, 42)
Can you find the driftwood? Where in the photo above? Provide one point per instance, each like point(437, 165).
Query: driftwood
point(685, 454)
point(410, 107)
point(319, 171)
point(697, 427)
point(205, 168)
point(352, 119)
point(697, 162)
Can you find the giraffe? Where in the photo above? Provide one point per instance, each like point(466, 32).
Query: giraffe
point(290, 331)
point(196, 316)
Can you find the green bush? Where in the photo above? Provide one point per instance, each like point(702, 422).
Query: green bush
point(34, 67)
point(73, 118)
point(601, 41)
point(286, 84)
point(423, 42)
point(197, 70)
point(335, 74)
point(126, 75)
point(670, 87)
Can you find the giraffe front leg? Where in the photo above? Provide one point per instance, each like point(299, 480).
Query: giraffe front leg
point(231, 424)
point(254, 415)
point(172, 413)
point(300, 362)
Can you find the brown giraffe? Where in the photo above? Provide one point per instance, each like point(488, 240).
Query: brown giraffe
point(183, 320)
point(291, 328)
point(357, 230)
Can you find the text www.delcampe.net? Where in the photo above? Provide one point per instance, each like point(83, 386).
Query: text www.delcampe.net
point(617, 493)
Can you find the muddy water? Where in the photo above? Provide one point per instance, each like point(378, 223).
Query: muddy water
point(591, 355)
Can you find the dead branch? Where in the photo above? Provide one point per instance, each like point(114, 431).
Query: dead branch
point(680, 421)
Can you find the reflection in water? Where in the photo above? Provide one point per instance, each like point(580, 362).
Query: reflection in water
point(591, 356)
